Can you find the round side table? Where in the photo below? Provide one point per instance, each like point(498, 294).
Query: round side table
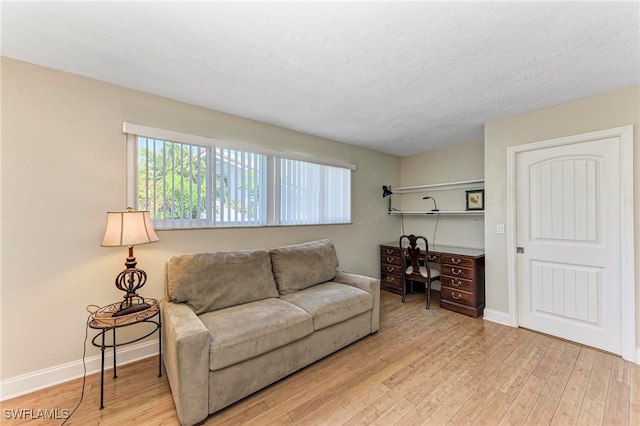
point(103, 320)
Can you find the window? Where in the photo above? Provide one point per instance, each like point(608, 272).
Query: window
point(184, 185)
point(312, 193)
point(188, 181)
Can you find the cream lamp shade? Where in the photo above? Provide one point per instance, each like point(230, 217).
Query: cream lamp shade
point(128, 228)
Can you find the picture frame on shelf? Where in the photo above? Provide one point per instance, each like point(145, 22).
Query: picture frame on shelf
point(475, 199)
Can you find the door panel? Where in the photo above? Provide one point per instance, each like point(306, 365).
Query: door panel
point(567, 291)
point(569, 273)
point(561, 189)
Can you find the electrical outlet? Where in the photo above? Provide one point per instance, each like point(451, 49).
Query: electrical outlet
point(500, 228)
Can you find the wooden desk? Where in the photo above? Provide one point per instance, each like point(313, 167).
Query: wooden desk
point(462, 275)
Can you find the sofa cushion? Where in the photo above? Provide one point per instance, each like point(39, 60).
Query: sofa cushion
point(211, 281)
point(299, 266)
point(246, 331)
point(331, 303)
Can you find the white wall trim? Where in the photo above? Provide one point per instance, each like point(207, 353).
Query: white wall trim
point(498, 317)
point(627, 250)
point(31, 382)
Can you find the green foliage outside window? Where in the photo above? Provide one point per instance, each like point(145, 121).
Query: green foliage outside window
point(172, 182)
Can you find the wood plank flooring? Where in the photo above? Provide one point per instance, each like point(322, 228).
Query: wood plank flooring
point(431, 367)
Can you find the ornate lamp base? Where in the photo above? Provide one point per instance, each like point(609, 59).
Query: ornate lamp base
point(129, 281)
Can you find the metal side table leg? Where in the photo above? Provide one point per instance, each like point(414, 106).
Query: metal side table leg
point(102, 348)
point(159, 345)
point(115, 375)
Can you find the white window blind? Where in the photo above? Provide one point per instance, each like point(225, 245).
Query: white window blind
point(240, 188)
point(188, 182)
point(313, 193)
point(172, 180)
point(184, 185)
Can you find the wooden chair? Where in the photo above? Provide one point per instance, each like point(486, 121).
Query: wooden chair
point(416, 265)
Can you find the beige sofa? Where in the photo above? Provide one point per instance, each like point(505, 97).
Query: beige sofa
point(235, 322)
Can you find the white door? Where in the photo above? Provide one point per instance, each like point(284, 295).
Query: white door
point(568, 238)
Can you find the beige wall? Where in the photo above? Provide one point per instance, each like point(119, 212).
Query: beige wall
point(605, 111)
point(457, 163)
point(63, 167)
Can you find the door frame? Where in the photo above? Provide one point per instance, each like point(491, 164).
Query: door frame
point(627, 256)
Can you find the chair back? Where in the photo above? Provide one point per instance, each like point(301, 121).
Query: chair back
point(414, 254)
point(416, 271)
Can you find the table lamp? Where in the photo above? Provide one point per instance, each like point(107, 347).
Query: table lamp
point(129, 228)
point(435, 206)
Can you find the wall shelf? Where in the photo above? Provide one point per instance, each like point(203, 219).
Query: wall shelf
point(467, 184)
point(440, 213)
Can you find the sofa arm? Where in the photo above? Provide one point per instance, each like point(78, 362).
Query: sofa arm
point(368, 284)
point(186, 342)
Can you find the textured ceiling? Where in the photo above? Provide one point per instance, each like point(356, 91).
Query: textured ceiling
point(397, 77)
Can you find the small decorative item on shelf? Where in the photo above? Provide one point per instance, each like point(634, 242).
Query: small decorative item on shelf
point(475, 199)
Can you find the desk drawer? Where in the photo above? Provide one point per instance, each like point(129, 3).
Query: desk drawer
point(390, 251)
point(457, 272)
point(390, 260)
point(434, 258)
point(390, 269)
point(457, 261)
point(391, 280)
point(457, 283)
point(455, 295)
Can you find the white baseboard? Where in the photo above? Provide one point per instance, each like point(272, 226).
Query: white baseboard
point(497, 316)
point(31, 382)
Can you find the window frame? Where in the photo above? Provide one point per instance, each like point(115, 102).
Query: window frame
point(273, 196)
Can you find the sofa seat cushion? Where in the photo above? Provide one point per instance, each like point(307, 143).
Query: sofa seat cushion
point(331, 303)
point(245, 331)
point(211, 281)
point(299, 266)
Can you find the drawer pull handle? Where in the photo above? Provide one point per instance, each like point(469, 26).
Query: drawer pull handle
point(456, 283)
point(455, 261)
point(458, 272)
point(389, 251)
point(390, 269)
point(454, 296)
point(432, 258)
point(389, 279)
point(390, 259)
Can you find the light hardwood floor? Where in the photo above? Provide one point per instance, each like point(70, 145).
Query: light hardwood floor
point(423, 367)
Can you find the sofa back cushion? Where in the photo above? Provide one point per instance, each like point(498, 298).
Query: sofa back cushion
point(212, 281)
point(300, 266)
